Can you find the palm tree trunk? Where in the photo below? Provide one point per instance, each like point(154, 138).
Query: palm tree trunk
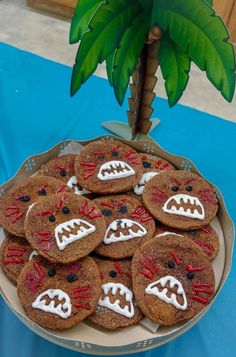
point(142, 89)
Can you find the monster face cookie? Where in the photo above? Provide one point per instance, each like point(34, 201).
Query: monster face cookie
point(108, 167)
point(62, 168)
point(16, 201)
point(59, 296)
point(152, 166)
point(172, 280)
point(116, 307)
point(180, 199)
point(206, 238)
point(128, 225)
point(64, 227)
point(14, 254)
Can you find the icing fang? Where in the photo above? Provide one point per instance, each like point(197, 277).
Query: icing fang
point(78, 190)
point(63, 309)
point(162, 289)
point(122, 230)
point(167, 234)
point(118, 290)
point(138, 189)
point(112, 170)
point(33, 254)
point(185, 205)
point(71, 231)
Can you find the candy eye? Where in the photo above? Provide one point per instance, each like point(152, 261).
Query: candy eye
point(171, 264)
point(107, 212)
point(115, 153)
point(100, 157)
point(189, 188)
point(51, 272)
point(72, 277)
point(123, 209)
point(113, 273)
point(42, 192)
point(146, 164)
point(52, 218)
point(175, 188)
point(62, 172)
point(24, 198)
point(65, 210)
point(190, 275)
point(192, 233)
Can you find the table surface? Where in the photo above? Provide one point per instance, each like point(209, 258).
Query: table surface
point(36, 112)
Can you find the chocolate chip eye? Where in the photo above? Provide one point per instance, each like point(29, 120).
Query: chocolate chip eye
point(62, 172)
point(72, 277)
point(189, 188)
point(65, 210)
point(25, 199)
point(175, 188)
point(115, 153)
point(146, 164)
point(42, 192)
point(113, 273)
point(100, 157)
point(51, 272)
point(123, 209)
point(190, 275)
point(52, 218)
point(192, 233)
point(171, 264)
point(107, 212)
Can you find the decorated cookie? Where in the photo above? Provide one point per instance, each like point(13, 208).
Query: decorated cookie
point(108, 167)
point(128, 225)
point(172, 280)
point(65, 227)
point(58, 296)
point(116, 307)
point(15, 252)
point(206, 238)
point(180, 199)
point(62, 168)
point(16, 201)
point(152, 166)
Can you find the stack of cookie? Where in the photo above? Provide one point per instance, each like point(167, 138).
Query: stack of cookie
point(111, 235)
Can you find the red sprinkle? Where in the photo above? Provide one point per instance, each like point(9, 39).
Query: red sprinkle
point(200, 299)
point(44, 213)
point(60, 189)
point(80, 305)
point(200, 290)
point(107, 204)
point(39, 270)
point(118, 267)
point(176, 258)
point(14, 261)
point(190, 268)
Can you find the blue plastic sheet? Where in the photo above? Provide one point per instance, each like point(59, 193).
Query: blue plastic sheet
point(36, 112)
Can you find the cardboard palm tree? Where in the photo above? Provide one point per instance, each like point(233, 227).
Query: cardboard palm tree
point(134, 37)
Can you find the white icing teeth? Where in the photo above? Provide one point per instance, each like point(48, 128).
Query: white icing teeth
point(196, 211)
point(73, 183)
point(64, 311)
point(112, 170)
point(64, 235)
point(33, 254)
point(129, 229)
point(152, 289)
point(119, 290)
point(138, 189)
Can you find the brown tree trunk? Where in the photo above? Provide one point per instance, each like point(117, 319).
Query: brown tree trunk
point(142, 89)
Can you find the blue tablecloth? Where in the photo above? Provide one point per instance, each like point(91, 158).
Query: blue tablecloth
point(36, 112)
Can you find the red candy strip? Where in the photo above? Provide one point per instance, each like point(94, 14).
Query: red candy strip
point(41, 233)
point(83, 288)
point(84, 204)
point(146, 219)
point(92, 164)
point(206, 230)
point(88, 175)
point(14, 254)
point(130, 152)
point(21, 196)
point(176, 258)
point(90, 210)
point(80, 305)
point(44, 213)
point(118, 267)
point(20, 249)
point(199, 290)
point(105, 204)
point(60, 189)
point(12, 207)
point(39, 270)
point(59, 167)
point(190, 268)
point(153, 263)
point(148, 267)
point(200, 299)
point(195, 285)
point(9, 214)
point(115, 148)
point(81, 296)
point(43, 239)
point(122, 202)
point(14, 261)
point(19, 216)
point(147, 275)
point(102, 276)
point(61, 201)
point(43, 186)
point(98, 153)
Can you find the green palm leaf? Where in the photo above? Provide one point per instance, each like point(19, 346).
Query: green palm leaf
point(194, 26)
point(175, 67)
point(109, 67)
point(107, 28)
point(83, 13)
point(126, 56)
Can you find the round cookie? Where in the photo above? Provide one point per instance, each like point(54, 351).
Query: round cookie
point(15, 203)
point(128, 225)
point(15, 252)
point(59, 296)
point(62, 168)
point(65, 227)
point(206, 238)
point(180, 199)
point(108, 167)
point(152, 166)
point(172, 280)
point(116, 307)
